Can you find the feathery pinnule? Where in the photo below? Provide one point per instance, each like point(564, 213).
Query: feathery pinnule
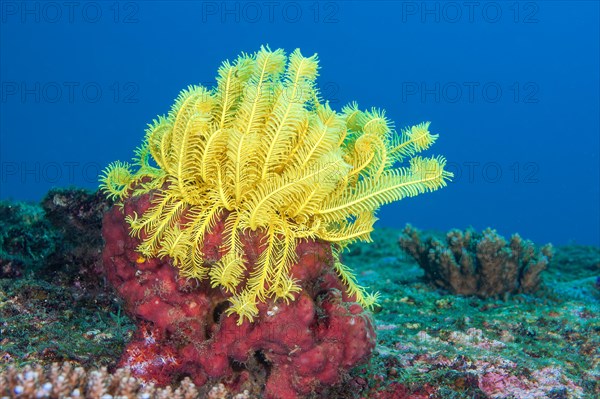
point(263, 151)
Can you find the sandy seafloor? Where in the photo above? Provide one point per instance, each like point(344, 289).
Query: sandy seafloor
point(430, 343)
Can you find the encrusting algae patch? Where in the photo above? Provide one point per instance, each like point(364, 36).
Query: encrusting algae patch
point(264, 151)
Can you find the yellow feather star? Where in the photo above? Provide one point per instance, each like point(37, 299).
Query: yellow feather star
point(263, 148)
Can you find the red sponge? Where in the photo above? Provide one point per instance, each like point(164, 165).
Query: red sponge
point(302, 346)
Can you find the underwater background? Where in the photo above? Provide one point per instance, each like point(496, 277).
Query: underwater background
point(511, 87)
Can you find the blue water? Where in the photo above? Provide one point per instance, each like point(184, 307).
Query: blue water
point(511, 87)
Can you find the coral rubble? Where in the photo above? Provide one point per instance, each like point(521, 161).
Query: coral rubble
point(483, 264)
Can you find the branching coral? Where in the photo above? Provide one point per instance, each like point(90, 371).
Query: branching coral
point(483, 264)
point(263, 151)
point(69, 381)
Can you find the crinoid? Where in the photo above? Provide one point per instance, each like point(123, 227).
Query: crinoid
point(264, 151)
